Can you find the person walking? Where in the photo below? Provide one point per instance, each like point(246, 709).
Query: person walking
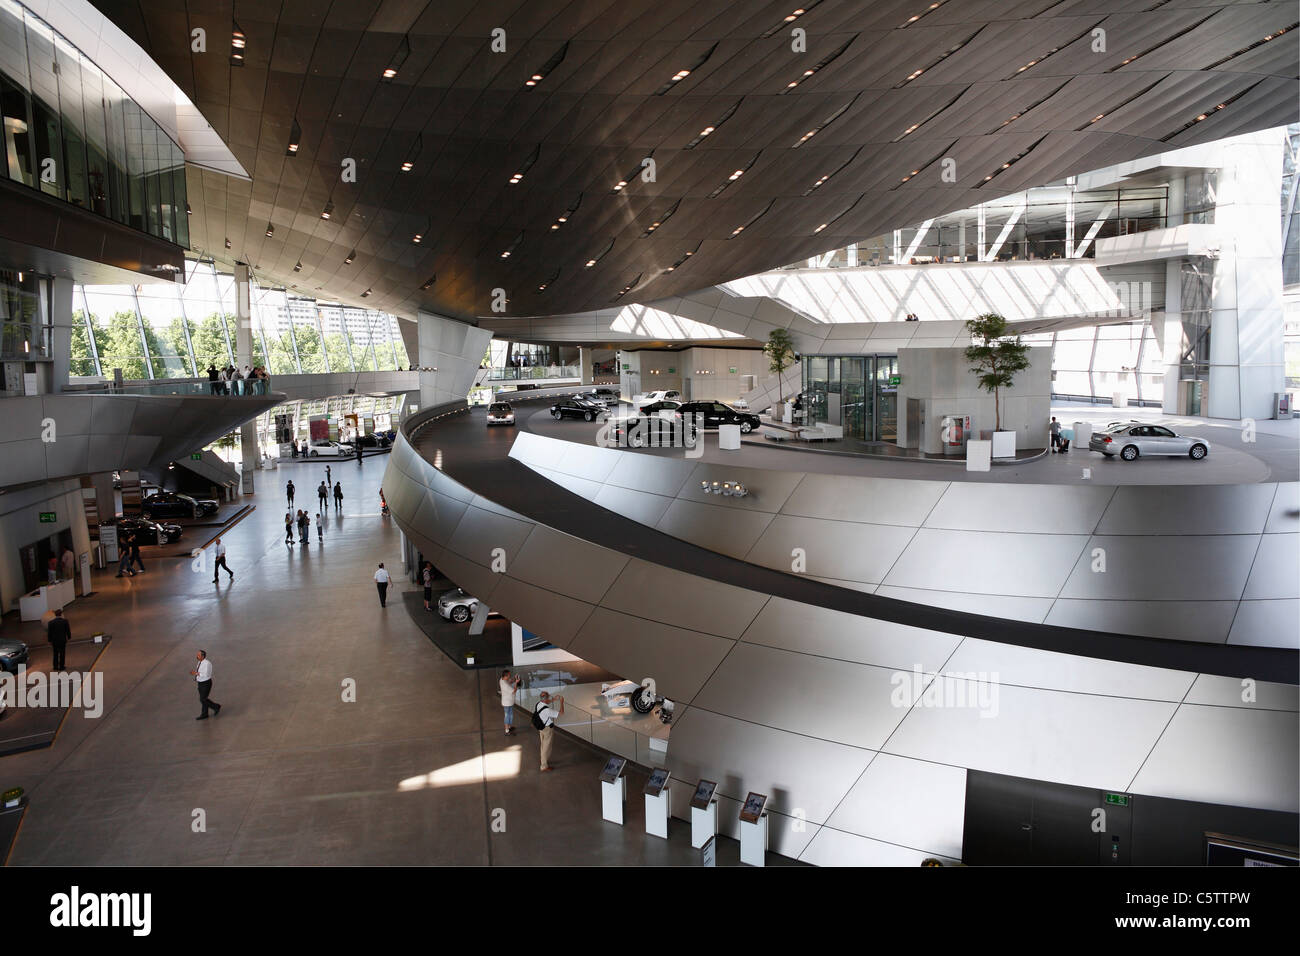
point(203, 677)
point(124, 555)
point(338, 495)
point(426, 578)
point(544, 717)
point(322, 492)
point(288, 490)
point(219, 554)
point(304, 528)
point(1055, 429)
point(328, 479)
point(58, 633)
point(135, 553)
point(320, 528)
point(381, 582)
point(358, 441)
point(509, 684)
point(288, 528)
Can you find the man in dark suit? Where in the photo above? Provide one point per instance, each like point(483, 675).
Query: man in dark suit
point(58, 634)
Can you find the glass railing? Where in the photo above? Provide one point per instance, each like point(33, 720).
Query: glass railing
point(601, 730)
point(181, 387)
point(532, 372)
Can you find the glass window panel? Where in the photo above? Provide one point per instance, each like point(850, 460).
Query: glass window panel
point(14, 83)
point(203, 310)
point(360, 339)
point(133, 120)
point(311, 352)
point(117, 332)
point(82, 357)
point(395, 330)
point(272, 317)
point(118, 168)
point(164, 330)
point(73, 115)
point(336, 341)
point(179, 195)
point(96, 137)
point(384, 360)
point(45, 107)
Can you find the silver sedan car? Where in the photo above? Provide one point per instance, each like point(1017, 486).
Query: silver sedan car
point(1130, 440)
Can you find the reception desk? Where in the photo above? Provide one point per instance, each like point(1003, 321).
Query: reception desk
point(49, 597)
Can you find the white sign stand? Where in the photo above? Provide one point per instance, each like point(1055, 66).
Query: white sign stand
point(612, 797)
point(657, 810)
point(704, 824)
point(729, 437)
point(753, 842)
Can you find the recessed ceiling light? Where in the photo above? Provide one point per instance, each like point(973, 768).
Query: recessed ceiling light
point(590, 263)
point(327, 211)
point(351, 255)
point(298, 266)
point(430, 282)
point(366, 293)
point(389, 73)
point(270, 230)
point(407, 166)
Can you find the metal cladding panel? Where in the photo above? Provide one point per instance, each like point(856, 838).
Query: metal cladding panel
point(1030, 565)
point(833, 847)
point(1284, 516)
point(847, 637)
point(1267, 623)
point(725, 530)
point(641, 507)
point(470, 577)
point(1041, 734)
point(1231, 692)
point(651, 473)
point(436, 515)
point(1030, 667)
point(1206, 621)
point(549, 614)
point(796, 772)
point(1275, 573)
point(1175, 567)
point(768, 490)
point(679, 660)
point(1202, 756)
point(754, 683)
point(480, 533)
point(853, 552)
point(867, 500)
point(910, 802)
point(1035, 509)
point(566, 565)
point(1218, 509)
point(673, 597)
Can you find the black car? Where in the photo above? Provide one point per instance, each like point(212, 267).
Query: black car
point(172, 504)
point(146, 531)
point(373, 441)
point(577, 408)
point(654, 408)
point(712, 414)
point(653, 431)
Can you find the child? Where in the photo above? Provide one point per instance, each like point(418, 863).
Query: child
point(320, 529)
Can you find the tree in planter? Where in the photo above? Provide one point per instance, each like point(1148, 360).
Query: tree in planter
point(780, 353)
point(995, 357)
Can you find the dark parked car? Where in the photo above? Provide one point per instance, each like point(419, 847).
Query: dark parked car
point(653, 431)
point(146, 531)
point(577, 408)
point(654, 408)
point(374, 441)
point(172, 504)
point(712, 414)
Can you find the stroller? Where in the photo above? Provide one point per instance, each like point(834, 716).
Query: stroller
point(383, 504)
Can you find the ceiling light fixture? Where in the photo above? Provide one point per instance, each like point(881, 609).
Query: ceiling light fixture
point(270, 230)
point(547, 67)
point(399, 57)
point(327, 211)
point(298, 266)
point(684, 73)
point(429, 283)
point(818, 66)
point(407, 166)
point(351, 255)
point(237, 43)
point(295, 137)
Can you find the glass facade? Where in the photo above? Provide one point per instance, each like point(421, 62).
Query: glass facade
point(159, 330)
point(857, 392)
point(24, 315)
point(72, 133)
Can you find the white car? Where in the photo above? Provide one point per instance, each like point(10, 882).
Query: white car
point(604, 397)
point(322, 447)
point(663, 395)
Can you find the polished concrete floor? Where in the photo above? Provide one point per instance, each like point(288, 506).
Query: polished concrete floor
point(415, 771)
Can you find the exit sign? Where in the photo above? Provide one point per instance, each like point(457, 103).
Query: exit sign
point(196, 456)
point(1117, 799)
point(49, 517)
point(895, 380)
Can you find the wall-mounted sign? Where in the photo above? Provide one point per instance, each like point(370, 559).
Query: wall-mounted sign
point(626, 366)
point(895, 380)
point(49, 517)
point(1117, 799)
point(732, 370)
point(196, 456)
point(672, 371)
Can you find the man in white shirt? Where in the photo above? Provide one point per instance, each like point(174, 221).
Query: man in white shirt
point(509, 684)
point(219, 555)
point(203, 675)
point(381, 582)
point(548, 715)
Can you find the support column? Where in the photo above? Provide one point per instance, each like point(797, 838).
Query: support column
point(244, 356)
point(105, 496)
point(584, 359)
point(60, 334)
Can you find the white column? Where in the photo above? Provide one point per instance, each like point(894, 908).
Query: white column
point(244, 356)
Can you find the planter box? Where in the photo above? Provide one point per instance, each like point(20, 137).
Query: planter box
point(1004, 444)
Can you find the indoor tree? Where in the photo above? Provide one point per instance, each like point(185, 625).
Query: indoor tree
point(781, 355)
point(995, 357)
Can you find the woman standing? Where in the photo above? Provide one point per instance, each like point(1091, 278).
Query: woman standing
point(426, 576)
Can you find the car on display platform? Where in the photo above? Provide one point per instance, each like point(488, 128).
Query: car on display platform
point(605, 397)
point(148, 532)
point(577, 408)
point(12, 654)
point(662, 395)
point(323, 447)
point(1132, 440)
point(456, 605)
point(666, 430)
point(710, 415)
point(500, 413)
point(173, 504)
point(373, 441)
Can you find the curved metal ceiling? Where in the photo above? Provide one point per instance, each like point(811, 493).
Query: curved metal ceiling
point(514, 180)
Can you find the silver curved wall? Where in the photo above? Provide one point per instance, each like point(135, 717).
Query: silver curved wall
point(1212, 563)
point(797, 701)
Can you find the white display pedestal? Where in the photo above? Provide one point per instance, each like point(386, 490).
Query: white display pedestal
point(704, 824)
point(979, 454)
point(1004, 444)
point(753, 842)
point(657, 811)
point(612, 797)
point(729, 437)
point(1082, 434)
point(49, 597)
point(787, 413)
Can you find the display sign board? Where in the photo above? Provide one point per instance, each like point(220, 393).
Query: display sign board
point(709, 852)
point(658, 780)
point(108, 541)
point(49, 517)
point(753, 807)
point(319, 427)
point(703, 794)
point(613, 769)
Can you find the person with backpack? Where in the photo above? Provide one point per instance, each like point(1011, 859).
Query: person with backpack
point(544, 717)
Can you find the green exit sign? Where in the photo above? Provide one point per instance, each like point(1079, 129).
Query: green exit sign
point(895, 380)
point(196, 456)
point(1117, 799)
point(49, 517)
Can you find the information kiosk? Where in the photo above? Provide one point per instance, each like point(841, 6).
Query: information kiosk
point(613, 790)
point(753, 830)
point(658, 803)
point(704, 814)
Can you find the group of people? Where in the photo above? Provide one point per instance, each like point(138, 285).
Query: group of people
point(912, 317)
point(231, 381)
point(128, 549)
point(548, 710)
point(303, 520)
